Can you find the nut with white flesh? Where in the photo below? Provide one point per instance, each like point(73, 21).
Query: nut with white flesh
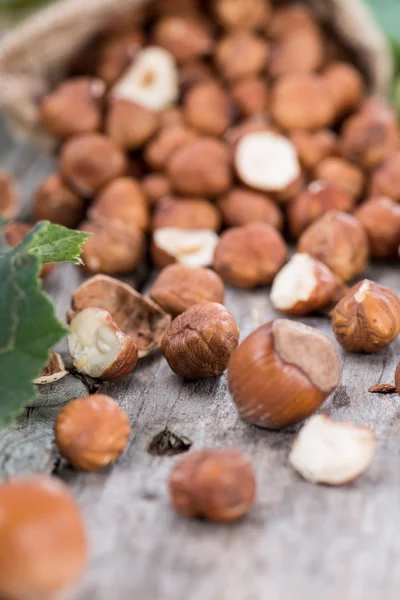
point(332, 452)
point(267, 161)
point(191, 248)
point(99, 348)
point(152, 81)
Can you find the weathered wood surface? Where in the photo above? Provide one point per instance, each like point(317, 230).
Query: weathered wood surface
point(300, 541)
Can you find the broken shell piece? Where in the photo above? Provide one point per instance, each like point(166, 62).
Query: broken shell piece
point(9, 196)
point(332, 452)
point(140, 318)
point(192, 248)
point(53, 371)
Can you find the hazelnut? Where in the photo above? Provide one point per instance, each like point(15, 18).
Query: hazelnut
point(303, 286)
point(343, 174)
point(207, 108)
point(44, 547)
point(116, 53)
point(381, 220)
point(186, 214)
point(255, 124)
point(302, 101)
point(282, 373)
point(130, 125)
point(241, 206)
point(200, 341)
point(313, 146)
point(88, 162)
point(236, 14)
point(192, 248)
point(315, 201)
point(173, 115)
point(9, 196)
point(218, 485)
point(165, 143)
point(385, 180)
point(74, 107)
point(241, 54)
point(194, 73)
point(14, 233)
point(163, 8)
point(92, 432)
point(249, 256)
point(122, 201)
point(287, 19)
point(332, 452)
point(339, 241)
point(184, 37)
point(177, 288)
point(155, 186)
point(299, 49)
point(200, 168)
point(55, 202)
point(346, 87)
point(367, 319)
point(250, 96)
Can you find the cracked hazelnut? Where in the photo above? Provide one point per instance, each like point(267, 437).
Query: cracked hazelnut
point(282, 373)
point(14, 232)
point(346, 87)
point(381, 220)
point(343, 174)
point(218, 485)
point(55, 202)
point(169, 139)
point(116, 53)
point(199, 342)
point(332, 452)
point(249, 256)
point(44, 547)
point(207, 108)
point(385, 179)
point(313, 146)
point(367, 319)
point(241, 206)
point(250, 96)
point(155, 187)
point(241, 54)
point(184, 37)
point(236, 14)
point(9, 196)
point(189, 247)
point(92, 432)
point(177, 288)
point(339, 241)
point(130, 125)
point(186, 214)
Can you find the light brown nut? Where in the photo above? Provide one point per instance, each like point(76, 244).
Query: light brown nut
point(43, 538)
point(249, 256)
point(282, 373)
point(14, 232)
point(367, 319)
point(169, 139)
point(300, 49)
point(200, 341)
point(55, 202)
point(346, 86)
point(9, 196)
point(218, 485)
point(241, 54)
point(189, 247)
point(115, 54)
point(343, 174)
point(88, 162)
point(92, 432)
point(286, 19)
point(339, 241)
point(177, 288)
point(250, 96)
point(184, 37)
point(241, 206)
point(130, 125)
point(385, 179)
point(173, 115)
point(208, 109)
point(186, 214)
point(381, 219)
point(155, 186)
point(314, 146)
point(236, 14)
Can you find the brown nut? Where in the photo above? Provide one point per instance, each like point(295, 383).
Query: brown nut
point(207, 108)
point(218, 485)
point(200, 341)
point(201, 168)
point(367, 319)
point(194, 73)
point(343, 174)
point(92, 432)
point(241, 54)
point(163, 8)
point(250, 96)
point(346, 87)
point(55, 202)
point(236, 14)
point(14, 233)
point(313, 146)
point(189, 247)
point(184, 37)
point(339, 241)
point(130, 125)
point(116, 53)
point(186, 214)
point(315, 201)
point(9, 196)
point(74, 107)
point(282, 373)
point(381, 220)
point(44, 547)
point(177, 288)
point(385, 180)
point(241, 206)
point(89, 162)
point(302, 101)
point(298, 49)
point(286, 19)
point(249, 256)
point(173, 115)
point(155, 186)
point(161, 148)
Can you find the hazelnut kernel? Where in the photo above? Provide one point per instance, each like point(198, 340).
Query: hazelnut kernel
point(241, 207)
point(184, 37)
point(241, 54)
point(343, 174)
point(192, 248)
point(55, 202)
point(381, 220)
point(9, 196)
point(207, 108)
point(130, 125)
point(186, 214)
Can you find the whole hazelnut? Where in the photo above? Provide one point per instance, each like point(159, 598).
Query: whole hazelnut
point(186, 214)
point(385, 179)
point(155, 186)
point(116, 53)
point(92, 432)
point(207, 108)
point(299, 49)
point(343, 174)
point(172, 115)
point(163, 8)
point(282, 373)
point(169, 139)
point(236, 14)
point(199, 342)
point(313, 146)
point(130, 125)
point(250, 96)
point(189, 247)
point(241, 54)
point(346, 87)
point(184, 37)
point(381, 220)
point(367, 319)
point(241, 206)
point(250, 256)
point(289, 18)
point(177, 288)
point(339, 241)
point(55, 202)
point(9, 196)
point(14, 232)
point(44, 547)
point(88, 162)
point(218, 485)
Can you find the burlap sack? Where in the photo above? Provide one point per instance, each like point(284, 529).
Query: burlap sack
point(39, 49)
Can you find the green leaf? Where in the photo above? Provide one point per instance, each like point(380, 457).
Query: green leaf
point(54, 243)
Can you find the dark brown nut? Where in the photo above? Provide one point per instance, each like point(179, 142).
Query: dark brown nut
point(208, 109)
point(124, 202)
point(159, 150)
point(189, 247)
point(9, 196)
point(287, 19)
point(74, 107)
point(367, 319)
point(186, 214)
point(92, 432)
point(112, 249)
point(346, 86)
point(184, 37)
point(55, 202)
point(115, 54)
point(241, 206)
point(315, 201)
point(249, 256)
point(199, 342)
point(250, 96)
point(381, 220)
point(385, 180)
point(241, 54)
point(300, 49)
point(339, 241)
point(343, 174)
point(218, 485)
point(313, 146)
point(177, 288)
point(236, 14)
point(194, 73)
point(155, 186)
point(88, 162)
point(14, 233)
point(129, 124)
point(282, 373)
point(164, 8)
point(201, 168)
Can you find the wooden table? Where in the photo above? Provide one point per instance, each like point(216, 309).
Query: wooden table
point(301, 541)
